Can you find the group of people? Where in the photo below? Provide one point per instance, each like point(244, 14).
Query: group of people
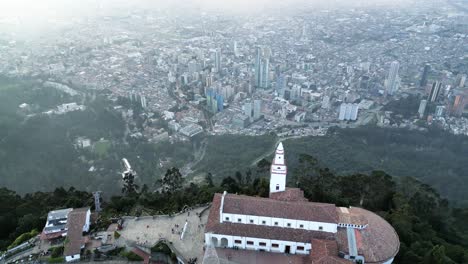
point(176, 230)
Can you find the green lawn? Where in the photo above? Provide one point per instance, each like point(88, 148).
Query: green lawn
point(102, 147)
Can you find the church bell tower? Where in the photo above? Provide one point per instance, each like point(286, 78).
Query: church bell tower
point(278, 171)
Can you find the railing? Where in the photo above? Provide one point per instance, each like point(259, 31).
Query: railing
point(183, 211)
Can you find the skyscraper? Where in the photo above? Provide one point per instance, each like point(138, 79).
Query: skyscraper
point(425, 74)
point(218, 60)
point(143, 102)
point(304, 32)
point(257, 111)
point(258, 57)
point(280, 85)
point(234, 48)
point(435, 91)
point(422, 108)
point(264, 73)
point(248, 111)
point(393, 81)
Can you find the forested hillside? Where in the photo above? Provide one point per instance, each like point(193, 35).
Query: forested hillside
point(434, 157)
point(38, 151)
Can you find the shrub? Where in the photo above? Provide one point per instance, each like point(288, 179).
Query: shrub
point(131, 256)
point(56, 252)
point(56, 260)
point(23, 238)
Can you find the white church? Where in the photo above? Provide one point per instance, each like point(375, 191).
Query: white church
point(287, 228)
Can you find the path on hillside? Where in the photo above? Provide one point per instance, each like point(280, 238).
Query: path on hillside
point(199, 155)
point(272, 149)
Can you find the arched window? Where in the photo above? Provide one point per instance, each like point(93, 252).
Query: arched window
point(224, 242)
point(214, 241)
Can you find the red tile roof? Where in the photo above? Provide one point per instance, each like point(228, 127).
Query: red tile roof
point(290, 195)
point(259, 257)
point(326, 252)
point(347, 216)
point(298, 210)
point(259, 231)
point(378, 242)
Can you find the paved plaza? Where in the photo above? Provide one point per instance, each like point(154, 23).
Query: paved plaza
point(147, 231)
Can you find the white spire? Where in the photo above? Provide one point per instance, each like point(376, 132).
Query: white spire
point(278, 171)
point(280, 147)
point(279, 155)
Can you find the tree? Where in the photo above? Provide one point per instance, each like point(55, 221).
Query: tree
point(437, 256)
point(172, 180)
point(262, 187)
point(209, 179)
point(239, 177)
point(248, 176)
point(263, 166)
point(130, 187)
point(230, 185)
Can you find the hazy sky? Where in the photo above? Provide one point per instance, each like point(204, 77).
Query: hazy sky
point(43, 13)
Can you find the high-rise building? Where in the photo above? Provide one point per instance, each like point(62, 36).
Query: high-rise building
point(458, 102)
point(192, 66)
point(326, 102)
point(258, 57)
point(393, 80)
point(461, 80)
point(257, 109)
point(218, 60)
point(214, 101)
point(440, 110)
point(304, 33)
point(422, 108)
point(234, 49)
point(296, 92)
point(248, 110)
point(264, 73)
point(143, 102)
point(280, 85)
point(348, 112)
point(425, 75)
point(364, 82)
point(435, 91)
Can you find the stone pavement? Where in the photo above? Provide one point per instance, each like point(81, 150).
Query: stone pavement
point(147, 231)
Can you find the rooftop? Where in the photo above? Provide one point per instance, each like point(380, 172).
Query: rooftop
point(378, 242)
point(298, 210)
point(259, 231)
point(289, 195)
point(75, 239)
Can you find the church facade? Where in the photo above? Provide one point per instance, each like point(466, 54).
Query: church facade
point(286, 224)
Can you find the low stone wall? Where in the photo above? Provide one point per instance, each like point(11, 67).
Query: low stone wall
point(149, 217)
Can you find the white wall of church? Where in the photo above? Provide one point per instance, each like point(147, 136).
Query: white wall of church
point(279, 222)
point(251, 243)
